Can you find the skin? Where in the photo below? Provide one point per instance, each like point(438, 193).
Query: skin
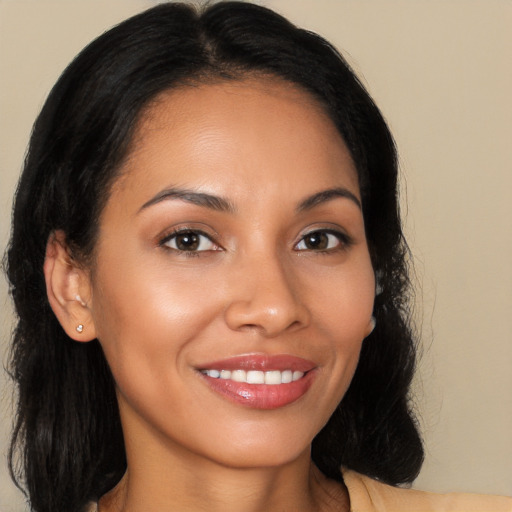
point(264, 147)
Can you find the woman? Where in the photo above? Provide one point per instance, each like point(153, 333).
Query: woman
point(207, 233)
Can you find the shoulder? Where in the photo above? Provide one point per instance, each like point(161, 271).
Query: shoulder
point(368, 495)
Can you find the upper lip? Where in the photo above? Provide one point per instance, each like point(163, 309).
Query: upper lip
point(262, 362)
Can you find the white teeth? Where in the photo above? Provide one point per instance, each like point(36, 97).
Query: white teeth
point(286, 377)
point(297, 375)
point(225, 374)
point(272, 377)
point(255, 377)
point(238, 375)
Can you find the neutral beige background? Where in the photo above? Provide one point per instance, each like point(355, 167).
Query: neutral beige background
point(440, 71)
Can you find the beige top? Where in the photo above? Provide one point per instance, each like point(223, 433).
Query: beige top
point(368, 495)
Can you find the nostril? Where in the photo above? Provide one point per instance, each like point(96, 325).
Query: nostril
point(249, 327)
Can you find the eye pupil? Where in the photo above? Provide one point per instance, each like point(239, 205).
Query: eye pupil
point(188, 241)
point(317, 240)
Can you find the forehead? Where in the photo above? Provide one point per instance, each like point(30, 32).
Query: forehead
point(204, 97)
point(259, 131)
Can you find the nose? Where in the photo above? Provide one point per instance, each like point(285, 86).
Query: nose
point(265, 298)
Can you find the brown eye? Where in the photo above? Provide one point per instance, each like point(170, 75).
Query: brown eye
point(317, 240)
point(189, 241)
point(321, 241)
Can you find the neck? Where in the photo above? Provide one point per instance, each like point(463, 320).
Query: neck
point(175, 482)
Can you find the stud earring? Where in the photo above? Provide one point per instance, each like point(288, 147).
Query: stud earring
point(79, 328)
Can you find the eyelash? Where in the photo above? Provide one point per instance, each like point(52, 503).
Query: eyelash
point(184, 231)
point(345, 242)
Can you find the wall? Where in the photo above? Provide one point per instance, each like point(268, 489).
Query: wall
point(440, 71)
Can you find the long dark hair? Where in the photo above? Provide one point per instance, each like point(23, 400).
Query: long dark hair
point(67, 447)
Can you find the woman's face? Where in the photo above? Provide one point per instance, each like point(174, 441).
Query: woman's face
point(232, 285)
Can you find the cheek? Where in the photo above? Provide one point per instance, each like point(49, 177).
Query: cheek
point(147, 320)
point(148, 312)
point(342, 301)
point(341, 311)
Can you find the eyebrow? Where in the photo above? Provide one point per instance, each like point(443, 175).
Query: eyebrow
point(190, 196)
point(327, 195)
point(221, 204)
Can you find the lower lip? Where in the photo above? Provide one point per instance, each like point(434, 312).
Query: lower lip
point(261, 396)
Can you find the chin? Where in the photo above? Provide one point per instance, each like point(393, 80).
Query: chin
point(261, 446)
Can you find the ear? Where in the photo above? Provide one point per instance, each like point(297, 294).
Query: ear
point(69, 289)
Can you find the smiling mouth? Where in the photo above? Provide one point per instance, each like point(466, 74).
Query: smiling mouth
point(260, 381)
